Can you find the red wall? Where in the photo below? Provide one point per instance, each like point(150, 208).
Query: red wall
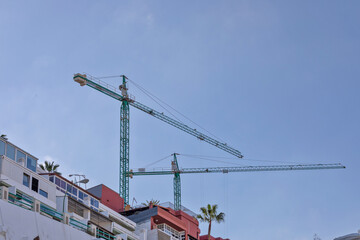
point(111, 199)
point(179, 220)
point(191, 223)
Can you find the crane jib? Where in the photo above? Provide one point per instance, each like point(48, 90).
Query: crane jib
point(112, 92)
point(242, 169)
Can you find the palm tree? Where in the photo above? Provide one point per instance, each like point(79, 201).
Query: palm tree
point(209, 214)
point(49, 167)
point(152, 201)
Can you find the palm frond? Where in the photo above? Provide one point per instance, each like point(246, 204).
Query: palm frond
point(220, 217)
point(42, 167)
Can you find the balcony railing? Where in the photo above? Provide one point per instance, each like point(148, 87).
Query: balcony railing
point(51, 212)
point(176, 235)
point(104, 235)
point(21, 201)
point(79, 225)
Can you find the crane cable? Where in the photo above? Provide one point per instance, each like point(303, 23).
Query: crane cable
point(243, 159)
point(153, 96)
point(216, 159)
point(157, 161)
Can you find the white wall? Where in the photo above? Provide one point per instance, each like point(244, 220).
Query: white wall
point(17, 223)
point(12, 173)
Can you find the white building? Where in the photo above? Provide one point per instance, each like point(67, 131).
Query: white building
point(49, 205)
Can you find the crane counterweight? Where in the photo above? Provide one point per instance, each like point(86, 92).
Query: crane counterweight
point(80, 78)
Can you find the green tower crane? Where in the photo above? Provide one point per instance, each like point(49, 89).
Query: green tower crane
point(176, 171)
point(97, 84)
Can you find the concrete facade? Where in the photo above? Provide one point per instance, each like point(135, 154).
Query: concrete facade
point(32, 224)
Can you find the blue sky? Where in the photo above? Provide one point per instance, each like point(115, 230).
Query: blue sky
point(277, 80)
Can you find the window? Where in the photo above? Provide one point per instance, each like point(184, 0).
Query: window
point(94, 202)
point(20, 156)
point(35, 184)
point(51, 178)
point(31, 163)
point(74, 191)
point(62, 184)
point(57, 181)
point(26, 180)
point(69, 188)
point(43, 193)
point(10, 151)
point(81, 195)
point(2, 148)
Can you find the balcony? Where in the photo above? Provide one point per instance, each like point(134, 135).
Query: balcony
point(174, 235)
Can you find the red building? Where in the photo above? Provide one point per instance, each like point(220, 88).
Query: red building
point(162, 220)
point(108, 197)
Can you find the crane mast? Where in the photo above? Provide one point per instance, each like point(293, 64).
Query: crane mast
point(176, 182)
point(124, 142)
point(97, 84)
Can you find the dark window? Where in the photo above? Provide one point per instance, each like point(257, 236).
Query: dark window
point(26, 180)
point(2, 148)
point(62, 184)
point(74, 191)
point(69, 188)
point(35, 184)
point(51, 178)
point(94, 202)
point(42, 192)
point(81, 195)
point(31, 163)
point(57, 181)
point(10, 151)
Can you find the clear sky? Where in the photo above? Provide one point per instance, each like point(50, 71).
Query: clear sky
point(278, 80)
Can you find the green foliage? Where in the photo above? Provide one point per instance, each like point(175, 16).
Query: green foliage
point(50, 167)
point(209, 214)
point(154, 202)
